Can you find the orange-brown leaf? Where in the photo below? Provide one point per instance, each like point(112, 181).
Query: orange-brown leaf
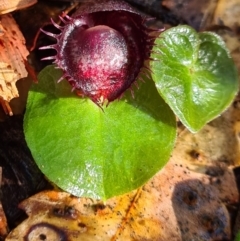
point(177, 204)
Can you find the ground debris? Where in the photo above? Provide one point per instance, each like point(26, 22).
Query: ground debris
point(13, 54)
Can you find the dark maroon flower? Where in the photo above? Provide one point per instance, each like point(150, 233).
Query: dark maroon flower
point(102, 48)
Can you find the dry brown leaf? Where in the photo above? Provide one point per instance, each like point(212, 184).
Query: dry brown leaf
point(177, 204)
point(227, 13)
point(7, 6)
point(13, 54)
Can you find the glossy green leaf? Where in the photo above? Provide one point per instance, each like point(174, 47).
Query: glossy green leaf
point(194, 74)
point(92, 152)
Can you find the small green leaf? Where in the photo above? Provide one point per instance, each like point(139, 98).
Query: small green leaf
point(92, 152)
point(194, 74)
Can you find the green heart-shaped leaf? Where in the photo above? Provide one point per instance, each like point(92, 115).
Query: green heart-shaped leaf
point(194, 74)
point(92, 152)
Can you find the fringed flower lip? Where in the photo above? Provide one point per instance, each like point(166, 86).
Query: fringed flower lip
point(101, 48)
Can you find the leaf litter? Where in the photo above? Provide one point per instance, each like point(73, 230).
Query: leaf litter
point(187, 199)
point(186, 206)
point(13, 54)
